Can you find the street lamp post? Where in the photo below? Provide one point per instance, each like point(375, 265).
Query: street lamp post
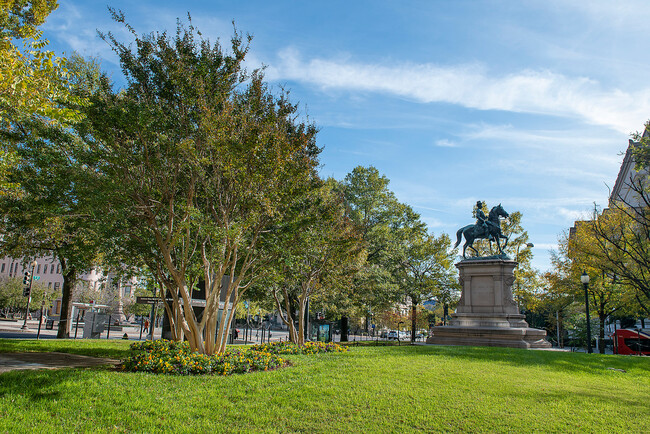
point(29, 293)
point(584, 278)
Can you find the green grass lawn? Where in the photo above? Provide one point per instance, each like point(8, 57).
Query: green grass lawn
point(368, 389)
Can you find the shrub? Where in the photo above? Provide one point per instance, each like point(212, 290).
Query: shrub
point(308, 348)
point(169, 357)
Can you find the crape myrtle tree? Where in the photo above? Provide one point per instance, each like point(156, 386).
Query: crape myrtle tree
point(318, 252)
point(199, 159)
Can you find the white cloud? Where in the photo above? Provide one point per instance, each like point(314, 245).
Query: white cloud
point(546, 246)
point(627, 14)
point(573, 215)
point(444, 143)
point(529, 91)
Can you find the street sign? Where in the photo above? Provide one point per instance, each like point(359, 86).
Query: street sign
point(147, 300)
point(37, 277)
point(153, 300)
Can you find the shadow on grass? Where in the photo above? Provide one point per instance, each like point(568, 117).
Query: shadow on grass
point(556, 360)
point(87, 347)
point(38, 385)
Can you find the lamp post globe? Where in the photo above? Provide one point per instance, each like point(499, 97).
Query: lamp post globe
point(584, 278)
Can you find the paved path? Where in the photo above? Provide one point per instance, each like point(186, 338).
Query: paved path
point(15, 361)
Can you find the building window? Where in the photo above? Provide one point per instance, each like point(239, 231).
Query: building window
point(52, 269)
point(38, 269)
point(11, 269)
point(127, 290)
point(58, 268)
point(56, 286)
point(3, 268)
point(49, 285)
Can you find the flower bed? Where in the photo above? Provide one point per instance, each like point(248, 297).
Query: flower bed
point(291, 348)
point(169, 357)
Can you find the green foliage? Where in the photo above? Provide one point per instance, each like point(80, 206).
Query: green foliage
point(54, 211)
point(307, 348)
point(11, 295)
point(642, 151)
point(577, 326)
point(317, 251)
point(133, 308)
point(177, 358)
point(384, 224)
point(35, 83)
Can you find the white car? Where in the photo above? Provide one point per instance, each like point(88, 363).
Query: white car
point(392, 334)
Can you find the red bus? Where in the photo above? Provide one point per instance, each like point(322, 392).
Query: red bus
point(631, 342)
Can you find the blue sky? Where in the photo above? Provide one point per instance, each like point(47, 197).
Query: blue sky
point(528, 104)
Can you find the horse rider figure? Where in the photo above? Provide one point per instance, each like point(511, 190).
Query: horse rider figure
point(482, 220)
point(486, 227)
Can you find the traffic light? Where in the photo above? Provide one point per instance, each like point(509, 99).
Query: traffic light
point(26, 291)
point(27, 278)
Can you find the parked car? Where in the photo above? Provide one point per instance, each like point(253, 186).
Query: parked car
point(393, 334)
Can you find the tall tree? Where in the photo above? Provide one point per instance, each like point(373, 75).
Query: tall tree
point(52, 214)
point(53, 211)
point(34, 82)
point(200, 159)
point(383, 223)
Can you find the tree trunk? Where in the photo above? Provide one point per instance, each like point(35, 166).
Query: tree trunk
point(288, 318)
point(413, 318)
point(69, 281)
point(301, 322)
point(344, 329)
point(601, 333)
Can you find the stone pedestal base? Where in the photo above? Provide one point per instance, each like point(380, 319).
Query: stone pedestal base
point(487, 314)
point(489, 337)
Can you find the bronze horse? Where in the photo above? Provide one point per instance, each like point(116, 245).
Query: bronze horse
point(474, 232)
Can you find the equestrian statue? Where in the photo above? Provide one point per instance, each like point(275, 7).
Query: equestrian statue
point(486, 227)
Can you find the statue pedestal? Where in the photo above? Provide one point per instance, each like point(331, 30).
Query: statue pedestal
point(486, 314)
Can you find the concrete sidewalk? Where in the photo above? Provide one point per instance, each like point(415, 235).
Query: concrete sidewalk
point(11, 329)
point(54, 360)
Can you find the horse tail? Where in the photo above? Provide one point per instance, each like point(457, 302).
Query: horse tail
point(459, 235)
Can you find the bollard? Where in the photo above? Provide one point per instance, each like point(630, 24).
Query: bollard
point(76, 329)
